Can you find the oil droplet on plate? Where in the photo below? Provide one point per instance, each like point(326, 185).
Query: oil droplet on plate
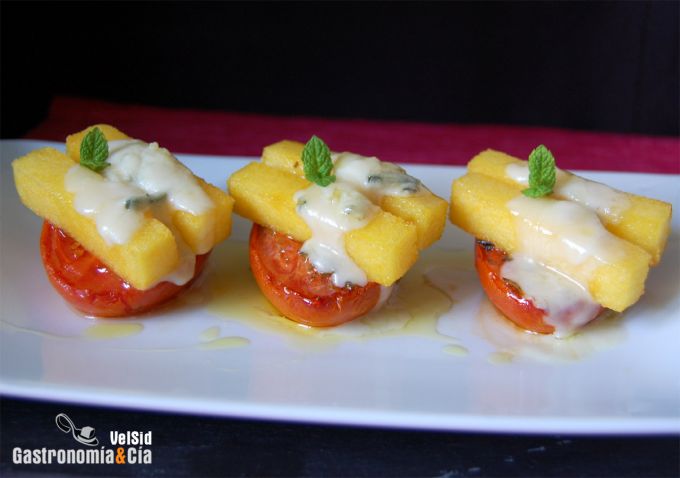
point(225, 343)
point(113, 330)
point(236, 296)
point(211, 333)
point(413, 309)
point(456, 350)
point(600, 334)
point(500, 358)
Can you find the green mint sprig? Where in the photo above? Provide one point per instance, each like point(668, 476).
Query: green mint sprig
point(94, 151)
point(317, 163)
point(542, 173)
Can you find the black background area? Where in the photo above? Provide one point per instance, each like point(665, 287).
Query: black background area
point(602, 66)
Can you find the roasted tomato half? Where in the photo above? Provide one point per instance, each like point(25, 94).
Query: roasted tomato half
point(90, 286)
point(297, 289)
point(505, 295)
point(509, 298)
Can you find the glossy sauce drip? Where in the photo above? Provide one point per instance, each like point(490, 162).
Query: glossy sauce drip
point(385, 294)
point(564, 235)
point(604, 200)
point(104, 201)
point(567, 303)
point(596, 196)
point(330, 212)
point(509, 340)
point(560, 245)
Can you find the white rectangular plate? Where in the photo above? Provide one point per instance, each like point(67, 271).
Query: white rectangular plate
point(455, 366)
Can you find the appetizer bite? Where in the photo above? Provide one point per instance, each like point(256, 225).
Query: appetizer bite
point(127, 226)
point(553, 250)
point(333, 231)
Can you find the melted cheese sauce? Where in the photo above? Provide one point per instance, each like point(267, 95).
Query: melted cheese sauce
point(156, 171)
point(563, 231)
point(596, 196)
point(603, 199)
point(139, 175)
point(560, 244)
point(104, 201)
point(385, 294)
point(142, 179)
point(568, 304)
point(345, 205)
point(374, 178)
point(330, 212)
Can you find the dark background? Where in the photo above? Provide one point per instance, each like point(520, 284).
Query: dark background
point(608, 66)
point(596, 66)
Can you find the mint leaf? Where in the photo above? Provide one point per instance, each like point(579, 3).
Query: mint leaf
point(542, 173)
point(94, 150)
point(317, 163)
